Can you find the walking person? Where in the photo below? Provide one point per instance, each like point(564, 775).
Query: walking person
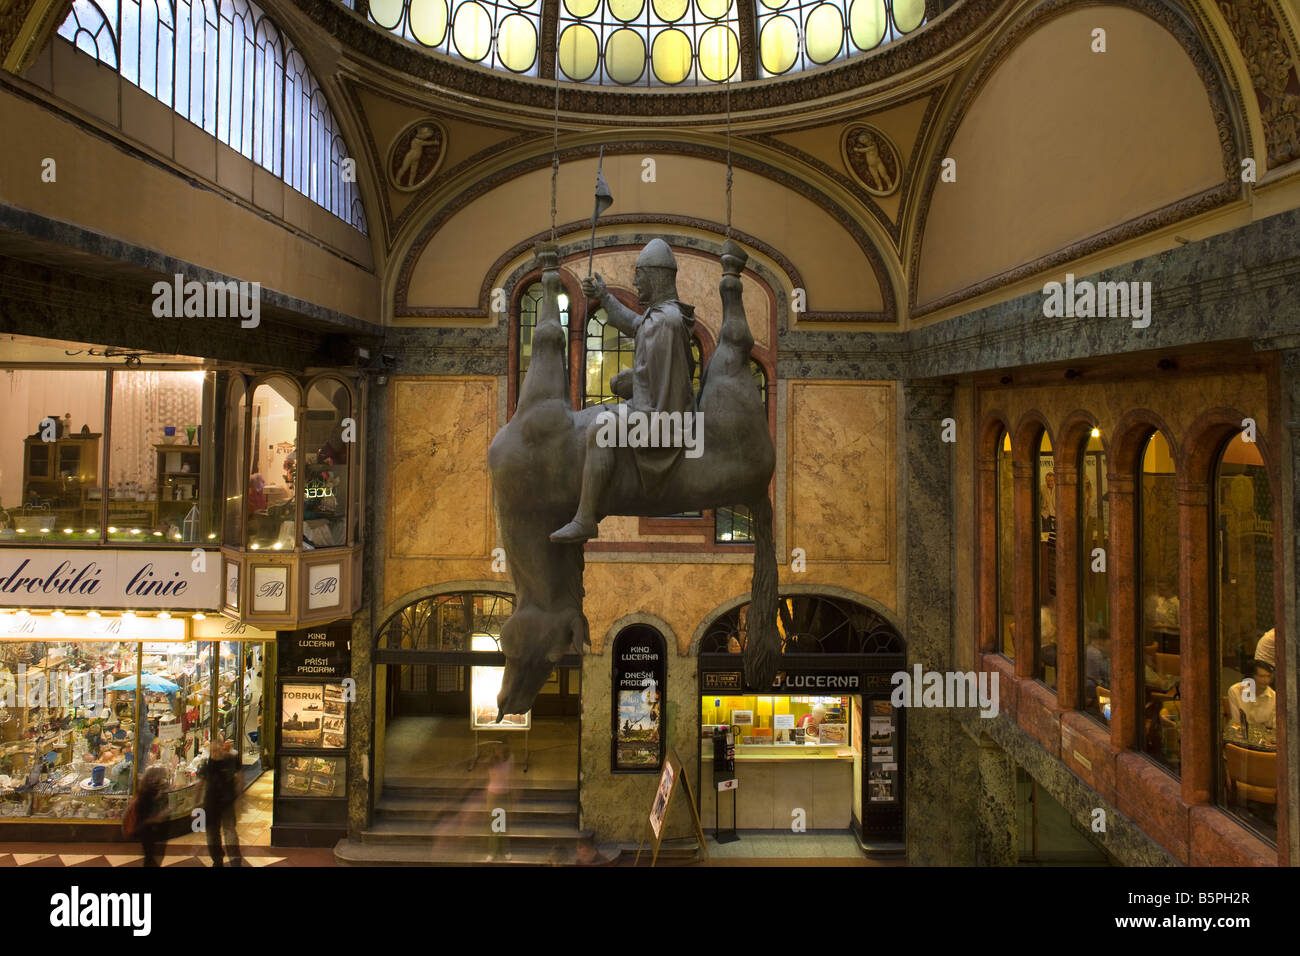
point(150, 816)
point(500, 767)
point(218, 776)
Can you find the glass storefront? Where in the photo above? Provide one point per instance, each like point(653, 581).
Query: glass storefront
point(74, 715)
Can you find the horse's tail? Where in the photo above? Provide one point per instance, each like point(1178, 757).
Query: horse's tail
point(763, 647)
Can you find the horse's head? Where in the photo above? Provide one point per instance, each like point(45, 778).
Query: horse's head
point(534, 640)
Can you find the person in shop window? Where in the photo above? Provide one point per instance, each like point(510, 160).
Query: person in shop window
point(1254, 707)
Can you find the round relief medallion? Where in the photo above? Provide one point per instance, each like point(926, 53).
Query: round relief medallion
point(872, 158)
point(416, 154)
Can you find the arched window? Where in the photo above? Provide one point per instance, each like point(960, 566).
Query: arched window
point(1245, 682)
point(1158, 664)
point(1045, 563)
point(1094, 605)
point(530, 304)
point(809, 623)
point(608, 352)
point(1006, 539)
point(226, 68)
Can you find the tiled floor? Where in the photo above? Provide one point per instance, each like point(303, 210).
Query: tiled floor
point(254, 826)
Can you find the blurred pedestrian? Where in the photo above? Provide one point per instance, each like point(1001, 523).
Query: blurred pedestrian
point(149, 819)
point(218, 775)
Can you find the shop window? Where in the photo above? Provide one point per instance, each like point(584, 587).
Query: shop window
point(1245, 680)
point(529, 308)
point(51, 456)
point(1006, 538)
point(177, 691)
point(1094, 552)
point(1045, 563)
point(156, 467)
point(1158, 665)
point(273, 465)
point(326, 468)
point(67, 743)
point(236, 438)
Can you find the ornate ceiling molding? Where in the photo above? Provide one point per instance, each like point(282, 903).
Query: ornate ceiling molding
point(697, 150)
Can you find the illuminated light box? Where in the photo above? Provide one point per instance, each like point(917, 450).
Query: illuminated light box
point(485, 686)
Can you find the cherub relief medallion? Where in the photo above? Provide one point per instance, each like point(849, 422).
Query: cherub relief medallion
point(416, 154)
point(872, 158)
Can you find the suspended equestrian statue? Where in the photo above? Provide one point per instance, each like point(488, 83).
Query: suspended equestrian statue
point(664, 450)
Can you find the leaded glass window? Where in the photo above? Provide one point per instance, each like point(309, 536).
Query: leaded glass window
point(227, 69)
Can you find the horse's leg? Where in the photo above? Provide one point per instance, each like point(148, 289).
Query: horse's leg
point(763, 647)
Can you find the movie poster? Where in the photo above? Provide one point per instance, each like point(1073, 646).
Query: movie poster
point(302, 715)
point(639, 673)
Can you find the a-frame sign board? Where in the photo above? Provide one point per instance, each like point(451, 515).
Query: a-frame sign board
point(673, 774)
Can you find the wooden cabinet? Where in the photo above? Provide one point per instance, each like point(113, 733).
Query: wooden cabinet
point(178, 469)
point(56, 472)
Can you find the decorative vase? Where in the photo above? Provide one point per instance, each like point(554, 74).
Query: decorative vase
point(189, 432)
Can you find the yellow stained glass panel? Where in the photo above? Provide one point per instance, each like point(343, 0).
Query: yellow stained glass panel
point(908, 14)
point(670, 11)
point(671, 56)
point(579, 51)
point(825, 33)
point(428, 20)
point(387, 13)
point(626, 10)
point(625, 56)
point(581, 8)
point(517, 42)
point(714, 9)
point(779, 44)
point(867, 21)
point(472, 31)
point(719, 53)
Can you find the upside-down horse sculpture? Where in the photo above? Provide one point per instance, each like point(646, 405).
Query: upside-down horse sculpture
point(550, 464)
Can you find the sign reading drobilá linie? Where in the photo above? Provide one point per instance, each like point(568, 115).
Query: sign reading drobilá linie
point(640, 671)
point(316, 651)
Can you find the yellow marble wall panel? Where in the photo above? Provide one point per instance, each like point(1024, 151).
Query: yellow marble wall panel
point(440, 498)
point(404, 575)
point(840, 499)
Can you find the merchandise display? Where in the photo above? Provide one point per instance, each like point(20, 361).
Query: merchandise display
point(781, 724)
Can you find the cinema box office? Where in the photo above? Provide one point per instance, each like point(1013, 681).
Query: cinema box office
point(822, 748)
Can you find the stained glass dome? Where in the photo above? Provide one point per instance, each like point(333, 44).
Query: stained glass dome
point(660, 43)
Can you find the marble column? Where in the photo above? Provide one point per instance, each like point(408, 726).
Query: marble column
point(1288, 739)
point(942, 764)
point(996, 806)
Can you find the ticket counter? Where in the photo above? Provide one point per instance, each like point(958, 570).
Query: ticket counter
point(796, 760)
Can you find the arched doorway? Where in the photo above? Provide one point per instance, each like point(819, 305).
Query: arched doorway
point(831, 700)
point(435, 658)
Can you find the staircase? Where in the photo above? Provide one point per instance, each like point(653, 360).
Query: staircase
point(426, 821)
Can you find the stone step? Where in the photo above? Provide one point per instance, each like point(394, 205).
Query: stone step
point(350, 853)
point(461, 787)
point(454, 831)
point(436, 808)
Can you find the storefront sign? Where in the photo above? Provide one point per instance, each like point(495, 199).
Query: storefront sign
point(217, 628)
point(724, 680)
point(804, 682)
point(639, 682)
point(317, 651)
point(71, 627)
point(794, 682)
point(99, 579)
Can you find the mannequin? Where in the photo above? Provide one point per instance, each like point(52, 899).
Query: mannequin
point(252, 716)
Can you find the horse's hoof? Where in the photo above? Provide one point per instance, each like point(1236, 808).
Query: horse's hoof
point(575, 532)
